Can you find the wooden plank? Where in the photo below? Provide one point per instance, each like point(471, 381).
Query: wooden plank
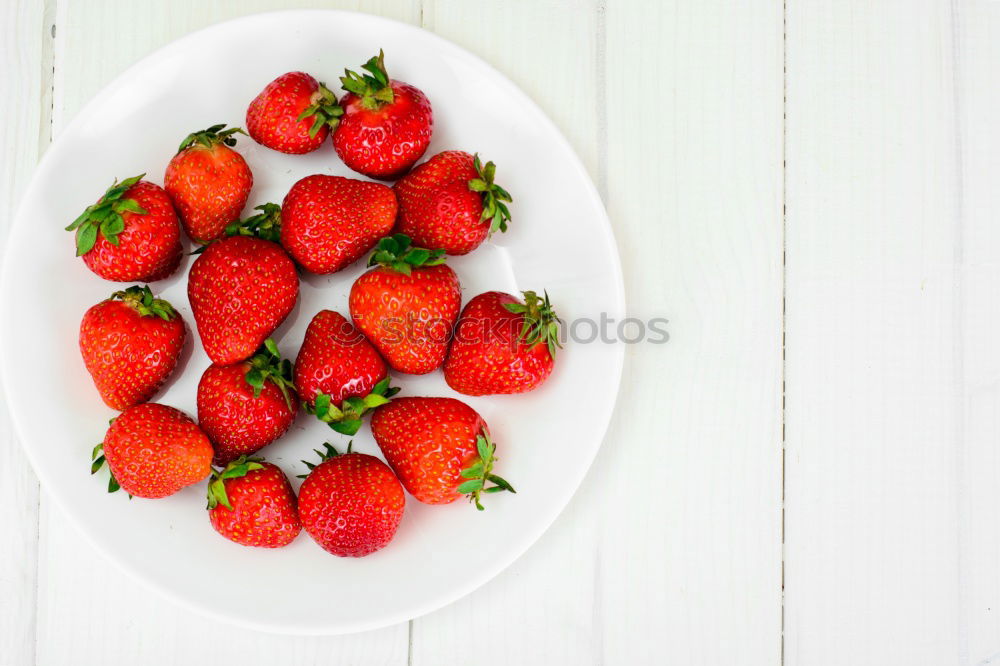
point(690, 547)
point(890, 401)
point(671, 550)
point(26, 60)
point(540, 609)
point(89, 611)
point(976, 52)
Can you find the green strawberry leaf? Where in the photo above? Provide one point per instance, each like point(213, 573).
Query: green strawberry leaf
point(266, 224)
point(346, 419)
point(540, 323)
point(374, 88)
point(494, 196)
point(348, 428)
point(268, 366)
point(396, 252)
point(470, 486)
point(105, 216)
point(211, 136)
point(86, 237)
point(481, 471)
point(473, 472)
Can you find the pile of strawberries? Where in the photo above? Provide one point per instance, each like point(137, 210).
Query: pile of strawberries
point(405, 317)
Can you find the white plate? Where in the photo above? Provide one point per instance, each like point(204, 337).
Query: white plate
point(560, 240)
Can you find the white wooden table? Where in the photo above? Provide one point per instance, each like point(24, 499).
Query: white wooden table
point(808, 472)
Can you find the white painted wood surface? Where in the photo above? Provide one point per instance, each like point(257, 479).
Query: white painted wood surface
point(892, 526)
point(806, 473)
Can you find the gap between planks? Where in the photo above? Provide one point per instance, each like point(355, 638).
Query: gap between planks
point(784, 300)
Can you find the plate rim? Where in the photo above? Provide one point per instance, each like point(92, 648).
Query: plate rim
point(431, 603)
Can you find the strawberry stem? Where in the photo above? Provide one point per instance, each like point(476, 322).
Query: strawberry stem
point(105, 216)
point(217, 482)
point(481, 471)
point(540, 321)
point(495, 198)
point(374, 88)
point(329, 452)
point(141, 300)
point(324, 110)
point(267, 365)
point(266, 224)
point(212, 136)
point(395, 252)
point(346, 419)
point(97, 463)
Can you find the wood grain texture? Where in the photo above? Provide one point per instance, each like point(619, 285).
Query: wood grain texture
point(691, 500)
point(672, 548)
point(543, 608)
point(25, 55)
point(676, 532)
point(891, 499)
point(976, 53)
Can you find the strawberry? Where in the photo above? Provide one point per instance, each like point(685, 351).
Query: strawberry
point(293, 114)
point(451, 202)
point(502, 345)
point(209, 182)
point(244, 407)
point(339, 374)
point(440, 449)
point(329, 222)
point(241, 288)
point(153, 451)
point(350, 504)
point(386, 125)
point(252, 503)
point(130, 234)
point(407, 305)
point(130, 344)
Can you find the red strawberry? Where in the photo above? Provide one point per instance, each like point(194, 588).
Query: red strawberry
point(244, 407)
point(386, 125)
point(329, 222)
point(153, 451)
point(440, 449)
point(293, 114)
point(350, 504)
point(130, 344)
point(339, 374)
point(130, 234)
point(407, 305)
point(252, 503)
point(209, 182)
point(450, 202)
point(241, 288)
point(502, 345)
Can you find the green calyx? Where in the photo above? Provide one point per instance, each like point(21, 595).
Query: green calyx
point(396, 252)
point(328, 452)
point(141, 300)
point(268, 366)
point(98, 460)
point(495, 198)
point(324, 110)
point(105, 216)
point(266, 224)
point(481, 472)
point(347, 418)
point(541, 323)
point(211, 136)
point(217, 482)
point(374, 88)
